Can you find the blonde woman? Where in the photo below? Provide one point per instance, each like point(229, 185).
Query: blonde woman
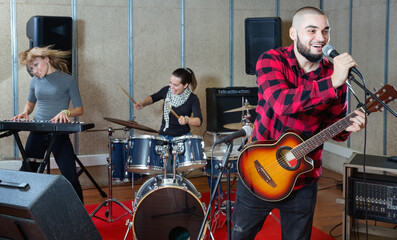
point(51, 90)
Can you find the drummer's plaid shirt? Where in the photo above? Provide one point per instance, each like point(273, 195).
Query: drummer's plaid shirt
point(288, 98)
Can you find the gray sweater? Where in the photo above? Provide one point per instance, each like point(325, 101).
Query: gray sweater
point(52, 94)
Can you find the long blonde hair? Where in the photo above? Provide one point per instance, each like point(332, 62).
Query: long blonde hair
point(58, 59)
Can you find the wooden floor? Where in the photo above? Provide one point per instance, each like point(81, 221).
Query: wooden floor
point(328, 214)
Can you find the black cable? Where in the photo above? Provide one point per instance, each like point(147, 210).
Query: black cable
point(330, 232)
point(204, 133)
point(337, 183)
point(325, 188)
point(365, 173)
point(336, 180)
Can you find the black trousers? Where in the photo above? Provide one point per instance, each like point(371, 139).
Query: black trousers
point(296, 212)
point(37, 145)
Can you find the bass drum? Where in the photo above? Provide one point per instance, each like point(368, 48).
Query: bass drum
point(167, 210)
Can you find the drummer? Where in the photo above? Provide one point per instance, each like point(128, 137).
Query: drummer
point(184, 103)
point(180, 97)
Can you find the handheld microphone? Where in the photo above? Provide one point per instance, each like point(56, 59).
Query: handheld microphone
point(243, 132)
point(329, 51)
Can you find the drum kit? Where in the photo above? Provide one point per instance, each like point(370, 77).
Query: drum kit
point(167, 204)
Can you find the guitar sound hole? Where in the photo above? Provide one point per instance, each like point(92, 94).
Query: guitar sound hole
point(286, 159)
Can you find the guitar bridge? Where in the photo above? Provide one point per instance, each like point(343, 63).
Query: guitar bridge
point(262, 172)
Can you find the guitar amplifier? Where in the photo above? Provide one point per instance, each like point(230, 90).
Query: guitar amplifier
point(220, 100)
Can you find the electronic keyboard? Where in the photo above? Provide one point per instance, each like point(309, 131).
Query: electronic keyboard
point(44, 126)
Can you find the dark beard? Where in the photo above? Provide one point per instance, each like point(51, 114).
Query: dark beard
point(314, 58)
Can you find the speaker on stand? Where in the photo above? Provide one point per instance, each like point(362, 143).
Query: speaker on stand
point(261, 34)
point(51, 30)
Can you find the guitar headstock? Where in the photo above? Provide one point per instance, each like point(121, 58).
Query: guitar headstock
point(386, 94)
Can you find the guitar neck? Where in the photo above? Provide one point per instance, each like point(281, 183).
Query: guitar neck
point(320, 138)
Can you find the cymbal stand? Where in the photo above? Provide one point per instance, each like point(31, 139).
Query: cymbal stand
point(245, 118)
point(225, 164)
point(108, 202)
point(215, 215)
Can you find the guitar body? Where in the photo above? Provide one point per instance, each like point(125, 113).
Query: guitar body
point(269, 169)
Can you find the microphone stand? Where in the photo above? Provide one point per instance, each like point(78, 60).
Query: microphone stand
point(225, 164)
point(372, 95)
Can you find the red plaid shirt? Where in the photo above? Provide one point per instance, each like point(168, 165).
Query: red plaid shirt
point(289, 98)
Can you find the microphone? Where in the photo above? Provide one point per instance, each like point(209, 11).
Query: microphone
point(243, 132)
point(329, 51)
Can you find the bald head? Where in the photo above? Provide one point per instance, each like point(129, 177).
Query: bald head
point(310, 32)
point(298, 16)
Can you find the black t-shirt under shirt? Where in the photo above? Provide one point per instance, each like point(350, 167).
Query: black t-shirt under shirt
point(192, 105)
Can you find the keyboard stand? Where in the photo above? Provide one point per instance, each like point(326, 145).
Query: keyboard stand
point(83, 169)
point(46, 161)
point(21, 149)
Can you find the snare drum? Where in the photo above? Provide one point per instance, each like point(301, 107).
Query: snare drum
point(164, 209)
point(190, 153)
point(147, 154)
point(119, 155)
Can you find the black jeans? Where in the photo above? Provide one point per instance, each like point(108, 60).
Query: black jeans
point(296, 212)
point(36, 146)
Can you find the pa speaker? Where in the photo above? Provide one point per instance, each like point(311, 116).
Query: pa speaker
point(261, 34)
point(51, 30)
point(41, 206)
point(220, 100)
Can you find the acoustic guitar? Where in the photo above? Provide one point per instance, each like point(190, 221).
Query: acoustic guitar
point(269, 169)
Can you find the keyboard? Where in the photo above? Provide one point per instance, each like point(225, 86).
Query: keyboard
point(45, 126)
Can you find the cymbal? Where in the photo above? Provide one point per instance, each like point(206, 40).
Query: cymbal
point(130, 124)
point(243, 108)
point(234, 126)
point(104, 130)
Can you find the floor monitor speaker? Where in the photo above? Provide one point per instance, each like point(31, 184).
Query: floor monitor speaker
point(41, 206)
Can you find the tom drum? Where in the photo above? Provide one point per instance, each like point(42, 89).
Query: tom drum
point(147, 152)
point(190, 152)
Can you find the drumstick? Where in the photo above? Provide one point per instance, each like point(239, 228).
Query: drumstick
point(173, 112)
point(126, 93)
